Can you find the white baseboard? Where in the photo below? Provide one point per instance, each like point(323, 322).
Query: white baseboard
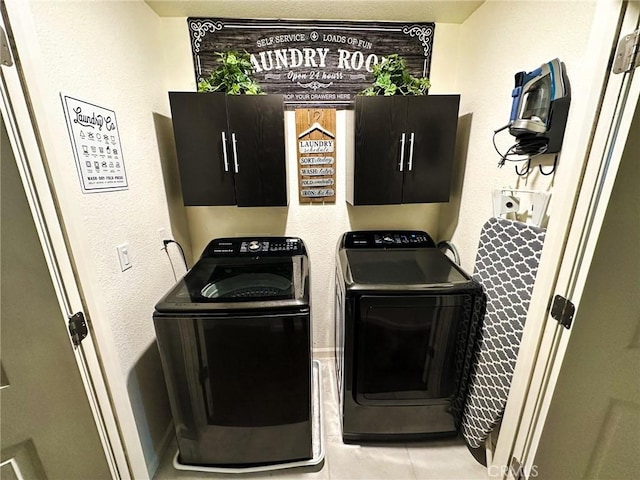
point(167, 438)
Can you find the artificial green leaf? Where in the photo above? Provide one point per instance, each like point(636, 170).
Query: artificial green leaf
point(232, 75)
point(391, 77)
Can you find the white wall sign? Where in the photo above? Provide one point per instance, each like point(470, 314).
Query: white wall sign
point(328, 192)
point(312, 172)
point(316, 182)
point(316, 146)
point(95, 142)
point(316, 160)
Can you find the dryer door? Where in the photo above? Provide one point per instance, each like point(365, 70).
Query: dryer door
point(405, 348)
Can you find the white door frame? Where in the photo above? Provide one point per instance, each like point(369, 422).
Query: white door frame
point(24, 142)
point(607, 117)
point(106, 370)
point(622, 94)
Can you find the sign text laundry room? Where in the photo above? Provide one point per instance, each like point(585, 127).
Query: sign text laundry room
point(311, 62)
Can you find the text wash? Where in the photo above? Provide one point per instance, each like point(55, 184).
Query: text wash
point(310, 57)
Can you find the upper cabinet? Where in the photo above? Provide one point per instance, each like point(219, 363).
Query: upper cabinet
point(231, 148)
point(404, 147)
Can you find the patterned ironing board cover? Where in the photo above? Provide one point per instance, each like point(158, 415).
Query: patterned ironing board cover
point(506, 266)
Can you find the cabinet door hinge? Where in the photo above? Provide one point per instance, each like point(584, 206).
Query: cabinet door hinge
point(627, 56)
point(563, 310)
point(77, 328)
point(5, 52)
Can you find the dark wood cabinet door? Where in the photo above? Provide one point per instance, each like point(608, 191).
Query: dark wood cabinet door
point(378, 150)
point(199, 122)
point(432, 122)
point(257, 149)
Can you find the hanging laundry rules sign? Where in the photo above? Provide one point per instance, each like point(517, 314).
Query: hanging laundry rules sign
point(311, 62)
point(316, 138)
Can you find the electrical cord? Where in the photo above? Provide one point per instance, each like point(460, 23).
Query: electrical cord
point(529, 147)
point(173, 270)
point(184, 258)
point(451, 247)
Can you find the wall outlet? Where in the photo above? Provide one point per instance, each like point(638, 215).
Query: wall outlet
point(162, 236)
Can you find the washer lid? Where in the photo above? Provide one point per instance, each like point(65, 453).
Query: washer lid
point(235, 283)
point(403, 267)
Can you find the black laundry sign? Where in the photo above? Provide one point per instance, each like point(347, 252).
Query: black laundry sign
point(312, 62)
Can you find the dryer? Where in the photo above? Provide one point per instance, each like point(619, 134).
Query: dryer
point(235, 342)
point(403, 315)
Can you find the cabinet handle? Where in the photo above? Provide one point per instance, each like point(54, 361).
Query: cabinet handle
point(235, 153)
point(411, 151)
point(224, 152)
point(402, 152)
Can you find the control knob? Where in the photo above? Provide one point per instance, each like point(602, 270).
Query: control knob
point(254, 245)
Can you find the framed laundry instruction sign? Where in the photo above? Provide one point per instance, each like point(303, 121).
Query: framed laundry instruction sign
point(95, 141)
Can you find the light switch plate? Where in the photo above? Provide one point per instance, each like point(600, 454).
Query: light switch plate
point(124, 257)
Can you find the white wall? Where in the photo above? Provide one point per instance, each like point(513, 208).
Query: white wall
point(499, 39)
point(122, 56)
point(107, 53)
point(320, 226)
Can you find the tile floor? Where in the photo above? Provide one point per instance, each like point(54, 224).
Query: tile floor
point(438, 459)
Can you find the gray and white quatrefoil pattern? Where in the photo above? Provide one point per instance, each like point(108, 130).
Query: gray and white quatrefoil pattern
point(506, 266)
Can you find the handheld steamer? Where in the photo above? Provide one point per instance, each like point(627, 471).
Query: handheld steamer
point(540, 108)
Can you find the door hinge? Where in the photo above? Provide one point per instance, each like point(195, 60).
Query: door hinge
point(77, 328)
point(627, 56)
point(516, 469)
point(5, 52)
point(563, 310)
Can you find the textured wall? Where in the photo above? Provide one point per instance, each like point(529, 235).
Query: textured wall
point(498, 40)
point(106, 53)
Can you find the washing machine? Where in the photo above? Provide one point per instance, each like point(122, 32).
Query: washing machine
point(403, 315)
point(235, 342)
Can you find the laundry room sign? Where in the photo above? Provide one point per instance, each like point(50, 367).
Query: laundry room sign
point(311, 62)
point(95, 141)
point(316, 139)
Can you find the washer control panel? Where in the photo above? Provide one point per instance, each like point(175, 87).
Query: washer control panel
point(246, 246)
point(387, 239)
point(272, 245)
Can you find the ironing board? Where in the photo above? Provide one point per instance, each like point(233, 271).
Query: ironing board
point(506, 266)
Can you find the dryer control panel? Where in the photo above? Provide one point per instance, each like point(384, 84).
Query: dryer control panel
point(264, 246)
point(387, 239)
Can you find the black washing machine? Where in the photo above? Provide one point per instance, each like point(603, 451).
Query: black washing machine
point(403, 314)
point(235, 342)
